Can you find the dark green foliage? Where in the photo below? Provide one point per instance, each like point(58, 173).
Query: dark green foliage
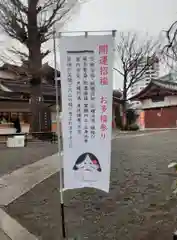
point(133, 127)
point(131, 116)
point(118, 118)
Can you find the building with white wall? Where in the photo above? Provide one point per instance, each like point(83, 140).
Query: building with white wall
point(171, 76)
point(152, 72)
point(159, 105)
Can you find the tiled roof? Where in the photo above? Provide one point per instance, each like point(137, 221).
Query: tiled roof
point(24, 87)
point(167, 85)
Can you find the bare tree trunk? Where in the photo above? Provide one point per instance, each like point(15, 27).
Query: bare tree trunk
point(31, 23)
point(35, 63)
point(124, 110)
point(124, 119)
point(135, 58)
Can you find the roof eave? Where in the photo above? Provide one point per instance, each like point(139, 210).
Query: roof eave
point(137, 96)
point(156, 83)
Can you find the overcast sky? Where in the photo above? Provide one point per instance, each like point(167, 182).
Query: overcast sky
point(150, 16)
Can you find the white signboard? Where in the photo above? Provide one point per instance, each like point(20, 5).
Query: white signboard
point(86, 80)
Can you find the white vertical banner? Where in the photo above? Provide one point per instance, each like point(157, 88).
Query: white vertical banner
point(86, 81)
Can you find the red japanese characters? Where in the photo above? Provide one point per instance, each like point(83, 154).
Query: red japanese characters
point(103, 52)
point(103, 117)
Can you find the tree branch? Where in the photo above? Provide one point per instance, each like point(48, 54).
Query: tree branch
point(45, 54)
point(118, 71)
point(11, 20)
point(19, 19)
point(170, 48)
point(131, 51)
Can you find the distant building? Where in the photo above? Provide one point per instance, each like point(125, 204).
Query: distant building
point(152, 72)
point(159, 105)
point(172, 77)
point(15, 96)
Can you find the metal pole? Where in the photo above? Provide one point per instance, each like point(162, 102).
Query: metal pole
point(175, 235)
point(59, 137)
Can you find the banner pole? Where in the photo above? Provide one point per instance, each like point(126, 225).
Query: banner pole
point(175, 235)
point(59, 134)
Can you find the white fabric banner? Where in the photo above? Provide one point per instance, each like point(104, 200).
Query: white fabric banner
point(86, 80)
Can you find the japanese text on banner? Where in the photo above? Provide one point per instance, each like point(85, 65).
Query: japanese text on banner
point(103, 53)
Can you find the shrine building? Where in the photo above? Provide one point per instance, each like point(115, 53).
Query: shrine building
point(15, 97)
point(159, 105)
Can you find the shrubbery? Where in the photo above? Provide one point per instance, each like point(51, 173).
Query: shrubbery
point(133, 127)
point(131, 117)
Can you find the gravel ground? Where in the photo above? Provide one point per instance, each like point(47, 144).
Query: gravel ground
point(14, 158)
point(139, 206)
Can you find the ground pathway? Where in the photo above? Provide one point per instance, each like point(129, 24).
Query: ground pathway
point(139, 174)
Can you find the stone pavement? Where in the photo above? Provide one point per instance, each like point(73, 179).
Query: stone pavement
point(15, 158)
point(3, 236)
point(11, 161)
point(21, 180)
point(138, 207)
point(13, 185)
point(13, 229)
